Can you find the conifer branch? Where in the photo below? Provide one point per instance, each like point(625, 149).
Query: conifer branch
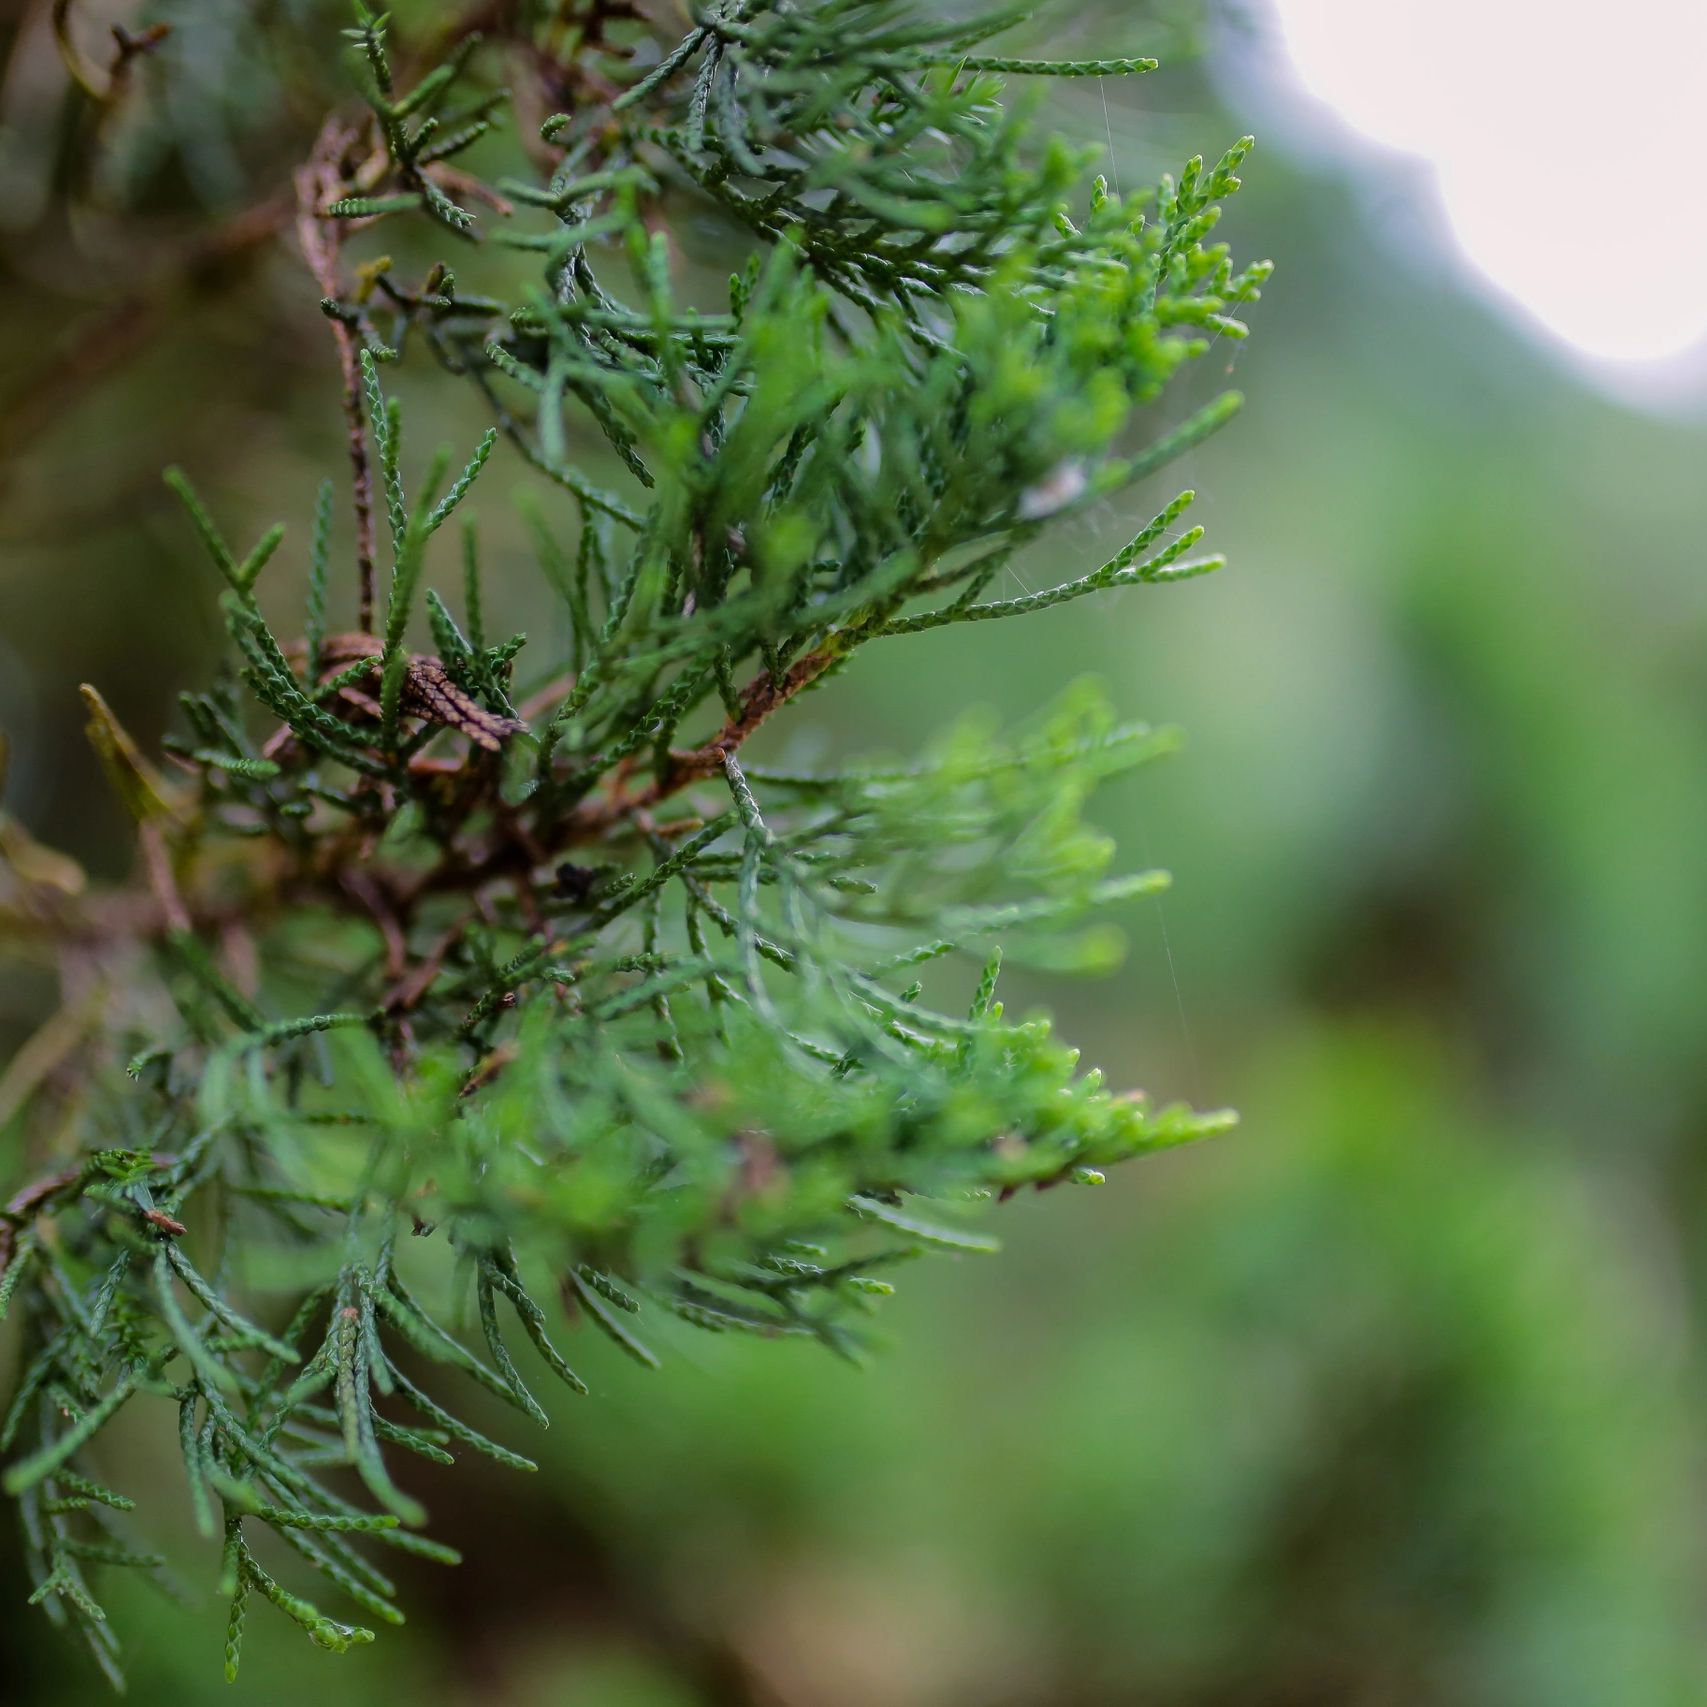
point(395, 907)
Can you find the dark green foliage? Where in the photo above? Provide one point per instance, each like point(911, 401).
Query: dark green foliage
point(450, 954)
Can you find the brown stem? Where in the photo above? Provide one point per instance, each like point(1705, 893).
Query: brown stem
point(409, 990)
point(160, 879)
point(760, 699)
point(363, 886)
point(26, 1202)
point(317, 183)
point(340, 877)
point(22, 1209)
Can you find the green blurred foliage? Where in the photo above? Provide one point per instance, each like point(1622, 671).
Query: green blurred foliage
point(1394, 1397)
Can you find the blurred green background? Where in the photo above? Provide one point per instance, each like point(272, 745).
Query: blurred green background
point(1392, 1398)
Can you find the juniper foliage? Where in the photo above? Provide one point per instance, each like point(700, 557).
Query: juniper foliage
point(457, 986)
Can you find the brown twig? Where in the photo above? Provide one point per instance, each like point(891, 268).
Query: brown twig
point(30, 1199)
point(762, 697)
point(457, 182)
point(317, 184)
point(367, 890)
point(409, 990)
point(160, 879)
point(513, 850)
point(26, 1205)
point(547, 698)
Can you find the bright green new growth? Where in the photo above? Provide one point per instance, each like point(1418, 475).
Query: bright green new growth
point(527, 967)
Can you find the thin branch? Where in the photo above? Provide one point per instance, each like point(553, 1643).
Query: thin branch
point(318, 183)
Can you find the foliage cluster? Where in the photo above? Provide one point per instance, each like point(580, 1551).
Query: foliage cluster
point(452, 980)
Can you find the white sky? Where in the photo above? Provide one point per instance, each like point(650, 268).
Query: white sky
point(1565, 143)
